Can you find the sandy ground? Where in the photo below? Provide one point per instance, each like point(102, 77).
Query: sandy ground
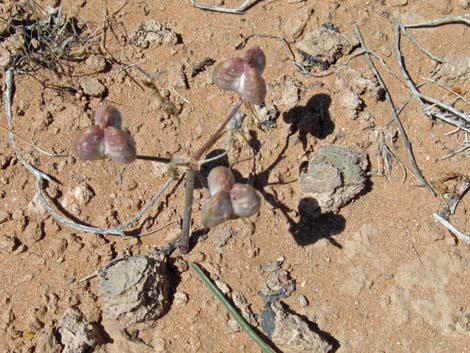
point(378, 276)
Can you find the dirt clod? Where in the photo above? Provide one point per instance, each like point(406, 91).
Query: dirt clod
point(8, 243)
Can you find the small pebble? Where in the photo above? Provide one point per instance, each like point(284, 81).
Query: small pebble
point(397, 3)
point(180, 298)
point(4, 216)
point(92, 87)
point(232, 326)
point(7, 243)
point(303, 302)
point(224, 288)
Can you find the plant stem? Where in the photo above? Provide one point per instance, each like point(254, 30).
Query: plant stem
point(183, 242)
point(188, 207)
point(213, 139)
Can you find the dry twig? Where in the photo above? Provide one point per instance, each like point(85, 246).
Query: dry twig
point(461, 236)
point(406, 141)
point(432, 107)
point(237, 10)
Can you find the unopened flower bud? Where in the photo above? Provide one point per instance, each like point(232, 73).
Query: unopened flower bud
point(108, 116)
point(119, 145)
point(89, 144)
point(256, 58)
point(216, 210)
point(243, 76)
point(220, 179)
point(245, 200)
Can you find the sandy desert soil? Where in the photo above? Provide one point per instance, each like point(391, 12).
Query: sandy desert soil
point(380, 275)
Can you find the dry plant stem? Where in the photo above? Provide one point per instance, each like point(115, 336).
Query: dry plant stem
point(441, 21)
point(236, 10)
point(188, 207)
point(190, 176)
point(461, 236)
point(407, 143)
point(41, 177)
point(448, 114)
point(424, 50)
point(213, 139)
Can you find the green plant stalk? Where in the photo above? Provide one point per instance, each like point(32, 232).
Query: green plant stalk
point(232, 311)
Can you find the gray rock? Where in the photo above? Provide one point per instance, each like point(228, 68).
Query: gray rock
point(334, 177)
point(324, 46)
point(77, 335)
point(290, 332)
point(135, 289)
point(152, 32)
point(92, 87)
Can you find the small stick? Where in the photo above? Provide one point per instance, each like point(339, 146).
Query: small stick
point(461, 236)
point(413, 39)
point(447, 89)
point(213, 139)
point(188, 208)
point(237, 10)
point(406, 141)
point(441, 21)
point(158, 229)
point(422, 98)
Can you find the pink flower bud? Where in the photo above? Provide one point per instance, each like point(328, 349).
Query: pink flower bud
point(108, 116)
point(119, 145)
point(245, 200)
point(243, 76)
point(216, 210)
point(220, 179)
point(89, 144)
point(256, 58)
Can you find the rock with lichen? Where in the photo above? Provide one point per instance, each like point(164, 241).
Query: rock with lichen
point(324, 46)
point(153, 33)
point(290, 332)
point(77, 335)
point(135, 289)
point(334, 177)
